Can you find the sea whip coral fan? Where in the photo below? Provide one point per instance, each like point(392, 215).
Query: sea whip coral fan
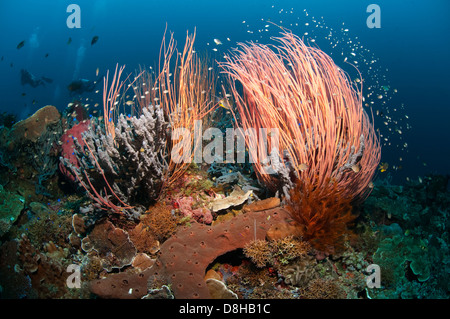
point(326, 141)
point(130, 156)
point(184, 87)
point(323, 129)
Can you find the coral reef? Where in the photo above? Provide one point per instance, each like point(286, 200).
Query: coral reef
point(45, 272)
point(300, 273)
point(323, 289)
point(259, 252)
point(111, 244)
point(184, 257)
point(276, 252)
point(136, 223)
point(15, 284)
point(11, 206)
point(413, 242)
point(30, 148)
point(201, 214)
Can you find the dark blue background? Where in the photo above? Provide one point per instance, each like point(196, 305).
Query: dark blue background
point(413, 43)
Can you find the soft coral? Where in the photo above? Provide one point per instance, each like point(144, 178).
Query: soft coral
point(323, 215)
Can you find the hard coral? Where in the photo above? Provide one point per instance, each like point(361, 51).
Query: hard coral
point(112, 245)
point(286, 249)
point(47, 274)
point(259, 251)
point(324, 289)
point(275, 252)
point(33, 127)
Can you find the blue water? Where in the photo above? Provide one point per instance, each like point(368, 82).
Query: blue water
point(412, 45)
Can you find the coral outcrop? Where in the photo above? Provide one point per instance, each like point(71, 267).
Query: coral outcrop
point(32, 128)
point(184, 257)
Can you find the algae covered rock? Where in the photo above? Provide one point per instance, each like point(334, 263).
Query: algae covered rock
point(10, 207)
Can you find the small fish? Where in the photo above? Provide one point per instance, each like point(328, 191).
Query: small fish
point(129, 103)
point(46, 55)
point(69, 41)
point(225, 103)
point(356, 168)
point(302, 167)
point(383, 167)
point(20, 45)
point(217, 41)
point(142, 149)
point(96, 71)
point(94, 40)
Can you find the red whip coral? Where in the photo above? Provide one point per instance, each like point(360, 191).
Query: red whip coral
point(309, 102)
point(326, 141)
